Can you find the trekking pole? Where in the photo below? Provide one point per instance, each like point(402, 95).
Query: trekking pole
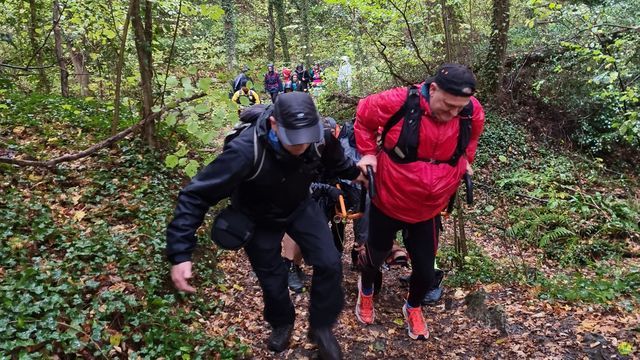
point(363, 198)
point(469, 187)
point(343, 207)
point(372, 184)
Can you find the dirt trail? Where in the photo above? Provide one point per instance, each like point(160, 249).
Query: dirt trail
point(536, 329)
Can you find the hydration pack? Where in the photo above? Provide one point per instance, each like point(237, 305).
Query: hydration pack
point(406, 149)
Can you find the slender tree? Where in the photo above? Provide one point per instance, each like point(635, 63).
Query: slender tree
point(78, 59)
point(305, 48)
point(278, 5)
point(62, 63)
point(119, 66)
point(230, 32)
point(43, 81)
point(143, 36)
point(497, 46)
point(271, 54)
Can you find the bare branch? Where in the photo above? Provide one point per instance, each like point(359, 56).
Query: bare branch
point(101, 145)
point(413, 42)
point(26, 68)
point(173, 44)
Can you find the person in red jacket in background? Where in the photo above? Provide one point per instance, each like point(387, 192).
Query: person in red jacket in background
point(410, 195)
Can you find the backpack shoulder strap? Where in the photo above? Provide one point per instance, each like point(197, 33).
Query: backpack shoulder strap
point(258, 156)
point(413, 98)
point(259, 150)
point(464, 135)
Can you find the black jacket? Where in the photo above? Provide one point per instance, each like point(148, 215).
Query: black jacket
point(270, 199)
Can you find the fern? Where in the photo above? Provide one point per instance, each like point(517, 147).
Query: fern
point(555, 235)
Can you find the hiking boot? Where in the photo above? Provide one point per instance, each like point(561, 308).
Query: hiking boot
point(294, 280)
point(327, 344)
point(435, 292)
point(364, 306)
point(301, 275)
point(416, 326)
point(432, 296)
point(280, 338)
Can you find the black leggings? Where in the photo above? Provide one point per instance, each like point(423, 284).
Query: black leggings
point(274, 95)
point(421, 243)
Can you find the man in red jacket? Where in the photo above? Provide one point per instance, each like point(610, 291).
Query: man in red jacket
point(411, 191)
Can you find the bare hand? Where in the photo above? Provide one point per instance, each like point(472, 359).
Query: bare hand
point(368, 160)
point(469, 169)
point(180, 273)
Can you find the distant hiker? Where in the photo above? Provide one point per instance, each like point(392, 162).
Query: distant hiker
point(286, 75)
point(422, 162)
point(316, 75)
point(272, 83)
point(303, 77)
point(268, 198)
point(288, 87)
point(296, 84)
point(344, 74)
point(237, 82)
point(253, 96)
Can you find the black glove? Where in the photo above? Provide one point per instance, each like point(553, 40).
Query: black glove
point(334, 193)
point(325, 191)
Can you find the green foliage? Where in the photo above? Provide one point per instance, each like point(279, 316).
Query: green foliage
point(84, 270)
point(85, 121)
point(608, 285)
point(590, 70)
point(477, 268)
point(82, 266)
point(201, 123)
point(568, 207)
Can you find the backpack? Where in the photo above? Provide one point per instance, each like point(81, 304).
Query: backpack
point(249, 118)
point(406, 149)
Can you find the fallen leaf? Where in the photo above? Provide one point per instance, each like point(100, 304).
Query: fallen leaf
point(79, 215)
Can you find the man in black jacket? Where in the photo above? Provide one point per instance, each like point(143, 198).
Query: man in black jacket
point(274, 192)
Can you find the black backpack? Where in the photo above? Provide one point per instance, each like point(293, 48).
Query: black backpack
point(249, 118)
point(406, 149)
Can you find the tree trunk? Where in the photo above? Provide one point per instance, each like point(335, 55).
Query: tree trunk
point(460, 237)
point(62, 63)
point(448, 39)
point(80, 69)
point(497, 47)
point(123, 47)
point(271, 54)
point(143, 37)
point(43, 81)
point(306, 41)
point(230, 32)
point(284, 44)
point(450, 25)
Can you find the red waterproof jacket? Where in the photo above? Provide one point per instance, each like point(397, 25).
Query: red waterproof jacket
point(419, 190)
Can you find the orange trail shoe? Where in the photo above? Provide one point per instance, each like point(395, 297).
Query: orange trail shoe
point(416, 326)
point(364, 307)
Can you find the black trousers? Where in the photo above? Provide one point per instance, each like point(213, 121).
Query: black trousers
point(421, 243)
point(308, 226)
point(274, 95)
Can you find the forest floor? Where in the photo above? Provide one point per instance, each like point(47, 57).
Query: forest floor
point(83, 272)
point(534, 328)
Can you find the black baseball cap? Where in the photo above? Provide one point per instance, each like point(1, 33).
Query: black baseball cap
point(297, 118)
point(455, 79)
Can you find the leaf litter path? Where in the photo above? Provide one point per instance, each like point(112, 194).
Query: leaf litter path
point(536, 328)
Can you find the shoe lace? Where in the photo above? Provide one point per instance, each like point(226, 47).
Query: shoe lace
point(416, 320)
point(366, 304)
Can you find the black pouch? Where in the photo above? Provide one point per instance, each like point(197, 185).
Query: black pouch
point(232, 229)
